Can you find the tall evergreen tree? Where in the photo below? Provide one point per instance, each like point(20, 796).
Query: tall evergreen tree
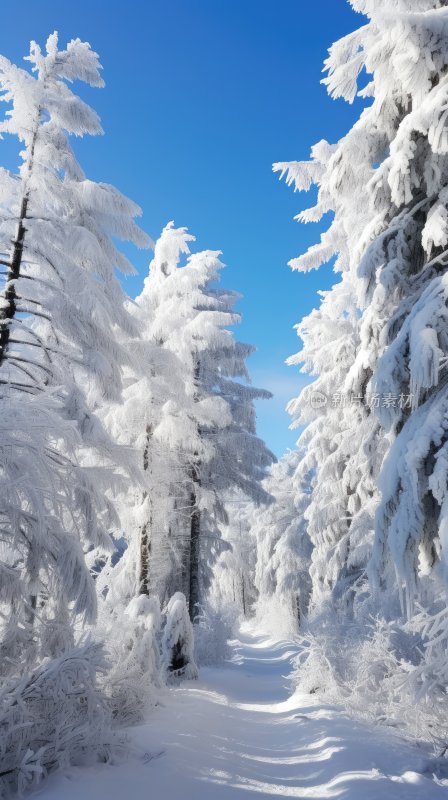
point(386, 181)
point(60, 306)
point(283, 546)
point(193, 418)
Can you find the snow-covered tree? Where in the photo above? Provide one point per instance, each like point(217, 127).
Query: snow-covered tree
point(402, 273)
point(233, 582)
point(132, 636)
point(178, 640)
point(283, 547)
point(386, 182)
point(190, 412)
point(60, 306)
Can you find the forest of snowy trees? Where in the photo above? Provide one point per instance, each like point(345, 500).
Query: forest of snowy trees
point(126, 424)
point(142, 518)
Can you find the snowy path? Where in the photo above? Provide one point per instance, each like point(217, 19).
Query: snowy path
point(237, 734)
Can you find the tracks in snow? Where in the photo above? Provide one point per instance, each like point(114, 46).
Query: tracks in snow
point(237, 734)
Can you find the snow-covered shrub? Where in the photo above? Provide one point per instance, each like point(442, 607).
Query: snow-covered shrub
point(326, 649)
point(54, 716)
point(213, 628)
point(376, 670)
point(132, 637)
point(178, 640)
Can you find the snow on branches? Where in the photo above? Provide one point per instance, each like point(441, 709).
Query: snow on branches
point(377, 515)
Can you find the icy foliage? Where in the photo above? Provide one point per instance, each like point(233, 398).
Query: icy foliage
point(341, 450)
point(377, 672)
point(283, 548)
point(214, 627)
point(120, 419)
point(53, 716)
point(178, 641)
point(232, 588)
point(377, 444)
point(60, 306)
point(390, 238)
point(189, 413)
point(63, 223)
point(132, 637)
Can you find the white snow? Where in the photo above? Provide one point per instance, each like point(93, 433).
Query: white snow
point(238, 732)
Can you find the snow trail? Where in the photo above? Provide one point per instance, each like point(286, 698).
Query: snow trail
point(238, 733)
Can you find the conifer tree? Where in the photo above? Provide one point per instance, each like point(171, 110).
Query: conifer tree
point(283, 546)
point(60, 306)
point(192, 417)
point(385, 181)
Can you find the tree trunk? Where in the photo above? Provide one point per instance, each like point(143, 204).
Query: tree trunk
point(145, 533)
point(296, 608)
point(243, 595)
point(195, 524)
point(9, 309)
point(195, 534)
point(145, 549)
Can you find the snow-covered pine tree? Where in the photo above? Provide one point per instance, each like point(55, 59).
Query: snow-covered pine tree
point(198, 429)
point(330, 339)
point(340, 452)
point(283, 547)
point(239, 457)
point(390, 176)
point(386, 182)
point(232, 585)
point(403, 275)
point(60, 304)
point(343, 452)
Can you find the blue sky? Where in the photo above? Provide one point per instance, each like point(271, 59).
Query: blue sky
point(201, 97)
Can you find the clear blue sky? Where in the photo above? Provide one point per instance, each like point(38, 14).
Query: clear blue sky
point(201, 97)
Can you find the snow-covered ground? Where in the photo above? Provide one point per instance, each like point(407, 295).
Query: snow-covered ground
point(237, 733)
